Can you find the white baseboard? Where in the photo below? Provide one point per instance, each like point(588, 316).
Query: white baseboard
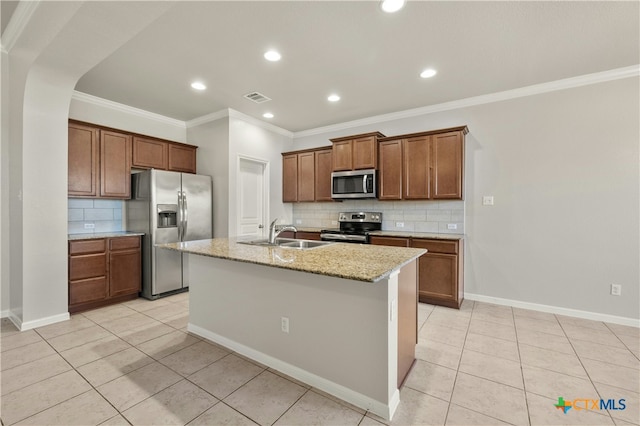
point(632, 322)
point(339, 391)
point(28, 325)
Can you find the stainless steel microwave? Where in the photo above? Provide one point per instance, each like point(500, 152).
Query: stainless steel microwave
point(354, 184)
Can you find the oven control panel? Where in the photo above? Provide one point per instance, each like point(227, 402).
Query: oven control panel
point(369, 217)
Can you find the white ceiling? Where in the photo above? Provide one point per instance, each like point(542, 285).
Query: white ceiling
point(370, 58)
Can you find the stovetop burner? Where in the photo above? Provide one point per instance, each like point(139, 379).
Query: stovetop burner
point(354, 227)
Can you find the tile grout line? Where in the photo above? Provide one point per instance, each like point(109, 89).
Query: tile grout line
point(455, 379)
point(585, 368)
point(524, 384)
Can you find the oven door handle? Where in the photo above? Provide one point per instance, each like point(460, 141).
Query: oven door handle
point(341, 237)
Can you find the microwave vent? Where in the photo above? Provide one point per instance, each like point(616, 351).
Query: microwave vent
point(257, 97)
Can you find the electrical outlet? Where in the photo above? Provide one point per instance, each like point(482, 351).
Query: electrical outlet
point(89, 226)
point(487, 200)
point(284, 324)
point(334, 222)
point(616, 289)
point(399, 224)
point(298, 221)
point(452, 226)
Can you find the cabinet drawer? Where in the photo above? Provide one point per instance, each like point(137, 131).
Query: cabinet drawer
point(89, 266)
point(389, 241)
point(123, 243)
point(302, 235)
point(87, 246)
point(437, 246)
point(87, 290)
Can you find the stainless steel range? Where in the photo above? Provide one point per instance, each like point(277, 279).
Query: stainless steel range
point(354, 227)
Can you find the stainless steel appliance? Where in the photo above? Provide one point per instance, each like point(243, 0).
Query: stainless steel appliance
point(168, 207)
point(354, 184)
point(354, 227)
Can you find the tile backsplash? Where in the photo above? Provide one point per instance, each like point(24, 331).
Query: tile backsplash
point(418, 216)
point(105, 215)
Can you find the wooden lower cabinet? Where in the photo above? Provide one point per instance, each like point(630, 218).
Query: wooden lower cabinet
point(440, 270)
point(301, 235)
point(389, 241)
point(304, 235)
point(103, 271)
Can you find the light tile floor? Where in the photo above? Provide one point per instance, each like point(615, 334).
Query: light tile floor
point(135, 363)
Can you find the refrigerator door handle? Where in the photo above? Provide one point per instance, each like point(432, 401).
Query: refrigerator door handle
point(184, 216)
point(180, 216)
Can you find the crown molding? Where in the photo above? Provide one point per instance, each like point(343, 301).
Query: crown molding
point(84, 97)
point(567, 83)
point(260, 123)
point(21, 16)
point(230, 112)
point(207, 118)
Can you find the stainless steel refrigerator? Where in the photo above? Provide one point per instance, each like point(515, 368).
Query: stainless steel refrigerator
point(168, 207)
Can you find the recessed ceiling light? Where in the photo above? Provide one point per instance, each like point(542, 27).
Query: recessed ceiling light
point(267, 115)
point(333, 98)
point(272, 56)
point(391, 6)
point(198, 85)
point(430, 72)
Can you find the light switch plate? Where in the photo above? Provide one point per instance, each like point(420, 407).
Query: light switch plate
point(452, 226)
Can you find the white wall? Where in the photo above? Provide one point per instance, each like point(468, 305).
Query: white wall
point(564, 170)
point(212, 139)
point(60, 42)
point(98, 111)
point(4, 188)
point(252, 140)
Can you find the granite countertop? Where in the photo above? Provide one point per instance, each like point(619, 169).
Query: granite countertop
point(360, 262)
point(89, 236)
point(412, 234)
point(403, 234)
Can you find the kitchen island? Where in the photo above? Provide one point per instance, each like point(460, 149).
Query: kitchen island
point(341, 317)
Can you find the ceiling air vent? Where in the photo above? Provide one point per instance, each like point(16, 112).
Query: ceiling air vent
point(257, 97)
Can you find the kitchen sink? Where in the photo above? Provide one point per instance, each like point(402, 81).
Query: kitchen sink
point(288, 243)
point(305, 244)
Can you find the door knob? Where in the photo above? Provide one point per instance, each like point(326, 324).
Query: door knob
point(260, 226)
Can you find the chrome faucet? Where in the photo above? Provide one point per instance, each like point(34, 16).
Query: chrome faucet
point(273, 234)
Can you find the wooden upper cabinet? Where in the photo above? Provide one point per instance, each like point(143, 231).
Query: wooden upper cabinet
point(431, 165)
point(83, 161)
point(115, 165)
point(150, 153)
point(324, 159)
point(365, 153)
point(342, 156)
point(182, 158)
point(290, 178)
point(416, 168)
point(306, 176)
point(447, 165)
point(356, 152)
point(390, 172)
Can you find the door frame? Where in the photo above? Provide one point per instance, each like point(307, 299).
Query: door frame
point(265, 189)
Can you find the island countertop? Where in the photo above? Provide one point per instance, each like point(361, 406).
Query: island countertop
point(360, 262)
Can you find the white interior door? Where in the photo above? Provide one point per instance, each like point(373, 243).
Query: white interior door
point(251, 199)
